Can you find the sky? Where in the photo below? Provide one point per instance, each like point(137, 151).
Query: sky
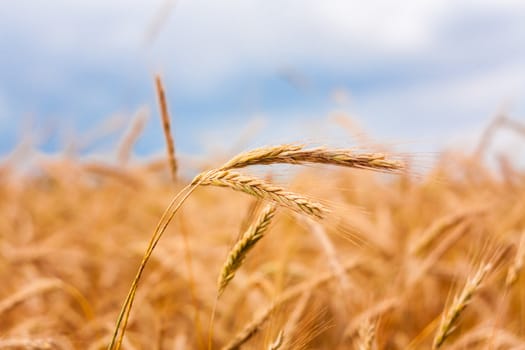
point(429, 73)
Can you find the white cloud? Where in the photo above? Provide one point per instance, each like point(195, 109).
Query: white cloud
point(445, 112)
point(466, 92)
point(206, 44)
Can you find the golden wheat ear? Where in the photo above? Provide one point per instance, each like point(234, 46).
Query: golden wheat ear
point(246, 243)
point(262, 189)
point(261, 156)
point(296, 154)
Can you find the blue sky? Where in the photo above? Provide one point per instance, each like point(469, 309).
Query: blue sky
point(429, 72)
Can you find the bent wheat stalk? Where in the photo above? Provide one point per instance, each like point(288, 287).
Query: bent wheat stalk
point(235, 181)
point(167, 216)
point(223, 177)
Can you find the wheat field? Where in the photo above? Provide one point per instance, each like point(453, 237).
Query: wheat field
point(347, 250)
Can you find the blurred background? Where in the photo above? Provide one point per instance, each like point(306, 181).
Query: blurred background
point(424, 73)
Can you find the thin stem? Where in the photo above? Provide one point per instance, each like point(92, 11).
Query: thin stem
point(166, 218)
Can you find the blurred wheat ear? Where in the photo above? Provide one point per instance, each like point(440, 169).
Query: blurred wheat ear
point(166, 127)
point(459, 304)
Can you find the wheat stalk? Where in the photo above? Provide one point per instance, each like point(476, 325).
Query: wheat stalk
point(248, 240)
point(261, 189)
point(223, 177)
point(459, 304)
point(167, 216)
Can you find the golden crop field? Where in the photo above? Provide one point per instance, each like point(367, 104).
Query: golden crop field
point(347, 250)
